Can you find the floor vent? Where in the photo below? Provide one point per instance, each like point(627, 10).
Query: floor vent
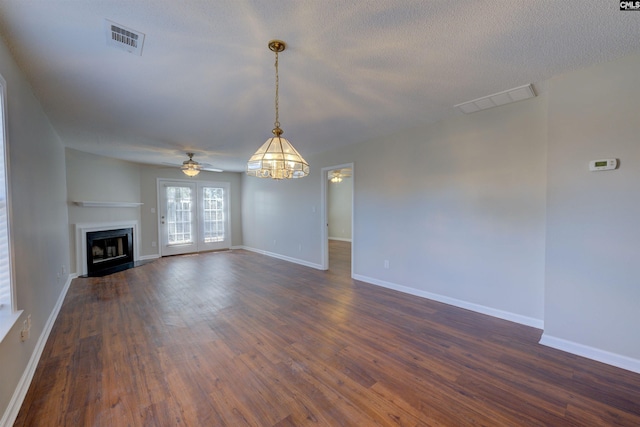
point(497, 99)
point(124, 38)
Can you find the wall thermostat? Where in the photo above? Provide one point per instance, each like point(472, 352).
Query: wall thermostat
point(603, 165)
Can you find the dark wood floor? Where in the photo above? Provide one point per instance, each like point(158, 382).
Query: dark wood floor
point(236, 338)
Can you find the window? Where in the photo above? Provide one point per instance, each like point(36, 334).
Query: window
point(213, 210)
point(8, 313)
point(179, 217)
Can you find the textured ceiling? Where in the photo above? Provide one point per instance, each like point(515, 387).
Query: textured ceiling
point(353, 70)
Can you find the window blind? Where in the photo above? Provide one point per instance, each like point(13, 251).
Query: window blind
point(5, 264)
point(5, 267)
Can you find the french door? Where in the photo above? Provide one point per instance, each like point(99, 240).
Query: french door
point(193, 216)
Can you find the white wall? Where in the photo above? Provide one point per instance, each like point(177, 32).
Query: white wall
point(458, 210)
point(282, 218)
point(38, 227)
point(592, 290)
point(339, 203)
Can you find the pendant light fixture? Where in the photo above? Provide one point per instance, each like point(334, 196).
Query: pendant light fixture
point(277, 159)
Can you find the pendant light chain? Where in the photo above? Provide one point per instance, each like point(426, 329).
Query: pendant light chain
point(277, 122)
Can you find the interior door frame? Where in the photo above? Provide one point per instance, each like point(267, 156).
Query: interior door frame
point(324, 210)
point(197, 219)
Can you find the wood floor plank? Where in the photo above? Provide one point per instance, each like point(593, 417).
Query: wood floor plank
point(236, 338)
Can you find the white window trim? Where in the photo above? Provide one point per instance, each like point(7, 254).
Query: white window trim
point(8, 315)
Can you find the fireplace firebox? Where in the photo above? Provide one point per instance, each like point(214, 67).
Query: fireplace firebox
point(109, 251)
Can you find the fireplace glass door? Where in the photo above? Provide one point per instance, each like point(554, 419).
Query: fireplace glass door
point(109, 250)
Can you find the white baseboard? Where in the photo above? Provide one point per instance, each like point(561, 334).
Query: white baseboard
point(341, 239)
point(506, 315)
point(592, 353)
point(282, 257)
point(11, 413)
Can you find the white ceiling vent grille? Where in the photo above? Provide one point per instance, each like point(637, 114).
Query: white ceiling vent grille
point(123, 38)
point(500, 98)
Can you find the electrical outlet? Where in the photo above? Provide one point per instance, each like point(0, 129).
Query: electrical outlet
point(26, 329)
point(274, 242)
point(386, 263)
point(153, 244)
point(64, 269)
point(300, 247)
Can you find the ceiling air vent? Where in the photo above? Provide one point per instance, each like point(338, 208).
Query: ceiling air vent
point(123, 38)
point(500, 98)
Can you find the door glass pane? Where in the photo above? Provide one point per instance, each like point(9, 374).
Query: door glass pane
point(179, 215)
point(213, 211)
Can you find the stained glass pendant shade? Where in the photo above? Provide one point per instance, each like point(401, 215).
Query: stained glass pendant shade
point(277, 159)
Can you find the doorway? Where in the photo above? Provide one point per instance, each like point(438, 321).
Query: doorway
point(193, 216)
point(338, 204)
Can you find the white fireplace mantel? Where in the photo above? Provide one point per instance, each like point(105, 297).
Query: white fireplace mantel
point(81, 239)
point(88, 204)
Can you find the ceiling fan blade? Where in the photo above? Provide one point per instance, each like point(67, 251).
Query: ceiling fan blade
point(202, 167)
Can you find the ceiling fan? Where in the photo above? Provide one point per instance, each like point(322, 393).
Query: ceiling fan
point(337, 175)
point(192, 168)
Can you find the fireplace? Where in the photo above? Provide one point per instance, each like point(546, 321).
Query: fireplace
point(109, 251)
point(113, 252)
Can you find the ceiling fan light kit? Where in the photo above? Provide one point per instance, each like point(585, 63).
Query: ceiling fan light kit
point(336, 176)
point(276, 158)
point(190, 167)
